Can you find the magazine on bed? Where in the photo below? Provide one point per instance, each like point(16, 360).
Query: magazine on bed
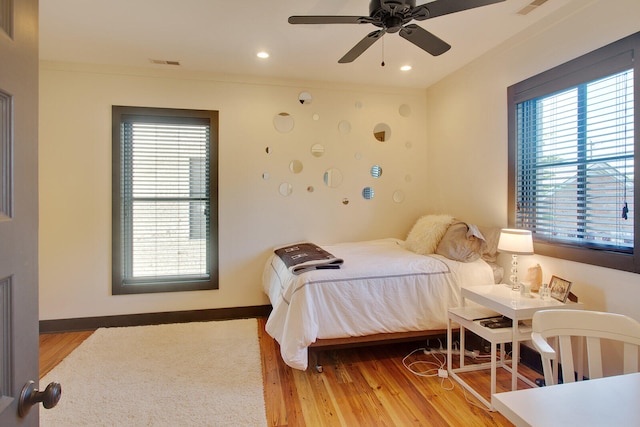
point(302, 257)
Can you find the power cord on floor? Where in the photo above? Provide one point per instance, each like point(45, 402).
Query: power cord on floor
point(477, 405)
point(435, 368)
point(438, 367)
point(455, 351)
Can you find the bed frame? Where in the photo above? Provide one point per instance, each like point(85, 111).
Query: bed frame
point(320, 345)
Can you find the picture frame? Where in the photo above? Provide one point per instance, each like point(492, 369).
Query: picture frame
point(559, 288)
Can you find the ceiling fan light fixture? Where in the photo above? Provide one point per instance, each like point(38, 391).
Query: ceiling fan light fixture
point(262, 55)
point(406, 68)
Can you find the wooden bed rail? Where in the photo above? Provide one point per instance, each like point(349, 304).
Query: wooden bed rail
point(377, 339)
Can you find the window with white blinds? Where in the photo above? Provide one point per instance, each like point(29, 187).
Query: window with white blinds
point(572, 143)
point(575, 164)
point(164, 219)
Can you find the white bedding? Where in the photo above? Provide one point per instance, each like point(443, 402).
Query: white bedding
point(380, 288)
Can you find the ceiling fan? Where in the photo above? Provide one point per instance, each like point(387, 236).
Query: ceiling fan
point(394, 16)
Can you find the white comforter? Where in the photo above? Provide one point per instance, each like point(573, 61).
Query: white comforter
point(381, 288)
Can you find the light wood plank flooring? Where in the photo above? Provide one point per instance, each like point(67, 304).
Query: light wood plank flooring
point(366, 386)
point(55, 347)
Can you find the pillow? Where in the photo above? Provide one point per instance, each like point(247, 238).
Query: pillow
point(426, 233)
point(498, 272)
point(491, 236)
point(461, 242)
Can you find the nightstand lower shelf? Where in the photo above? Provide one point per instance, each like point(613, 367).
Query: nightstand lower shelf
point(459, 315)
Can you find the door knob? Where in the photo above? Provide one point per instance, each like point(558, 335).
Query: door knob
point(31, 396)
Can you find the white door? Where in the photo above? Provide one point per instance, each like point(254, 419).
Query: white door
point(19, 211)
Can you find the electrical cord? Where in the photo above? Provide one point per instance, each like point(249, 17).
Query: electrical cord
point(435, 368)
point(431, 372)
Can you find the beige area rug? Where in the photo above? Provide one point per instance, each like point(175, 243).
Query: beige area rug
point(187, 374)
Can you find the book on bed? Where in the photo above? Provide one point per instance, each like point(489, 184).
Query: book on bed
point(302, 257)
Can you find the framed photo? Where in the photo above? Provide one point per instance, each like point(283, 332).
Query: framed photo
point(559, 288)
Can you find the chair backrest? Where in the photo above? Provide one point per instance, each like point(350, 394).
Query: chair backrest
point(590, 325)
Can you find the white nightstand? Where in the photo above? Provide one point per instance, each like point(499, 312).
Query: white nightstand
point(504, 301)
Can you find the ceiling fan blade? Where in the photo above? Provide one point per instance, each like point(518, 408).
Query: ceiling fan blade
point(362, 45)
point(444, 7)
point(424, 39)
point(329, 19)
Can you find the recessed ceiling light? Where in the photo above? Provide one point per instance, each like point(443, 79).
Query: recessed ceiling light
point(263, 55)
point(405, 67)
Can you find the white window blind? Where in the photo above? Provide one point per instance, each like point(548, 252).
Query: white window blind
point(575, 164)
point(165, 199)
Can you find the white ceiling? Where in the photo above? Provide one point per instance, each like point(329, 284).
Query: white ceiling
point(224, 37)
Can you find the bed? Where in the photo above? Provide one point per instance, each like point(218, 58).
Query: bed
point(385, 290)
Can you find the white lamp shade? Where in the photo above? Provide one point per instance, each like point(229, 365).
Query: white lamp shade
point(515, 241)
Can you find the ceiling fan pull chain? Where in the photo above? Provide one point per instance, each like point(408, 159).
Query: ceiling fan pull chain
point(382, 64)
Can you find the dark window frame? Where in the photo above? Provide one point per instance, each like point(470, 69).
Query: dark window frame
point(119, 284)
point(609, 59)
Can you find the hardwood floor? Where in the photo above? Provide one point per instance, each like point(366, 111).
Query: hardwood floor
point(55, 347)
point(366, 386)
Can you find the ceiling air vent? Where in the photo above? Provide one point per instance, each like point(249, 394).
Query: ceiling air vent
point(531, 7)
point(164, 62)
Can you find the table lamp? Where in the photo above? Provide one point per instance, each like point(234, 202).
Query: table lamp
point(515, 242)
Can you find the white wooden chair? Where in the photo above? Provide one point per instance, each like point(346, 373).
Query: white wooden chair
point(590, 325)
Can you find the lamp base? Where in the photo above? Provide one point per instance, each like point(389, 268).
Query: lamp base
point(515, 285)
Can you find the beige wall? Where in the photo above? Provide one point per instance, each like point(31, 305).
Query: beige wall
point(75, 177)
point(467, 133)
point(461, 171)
